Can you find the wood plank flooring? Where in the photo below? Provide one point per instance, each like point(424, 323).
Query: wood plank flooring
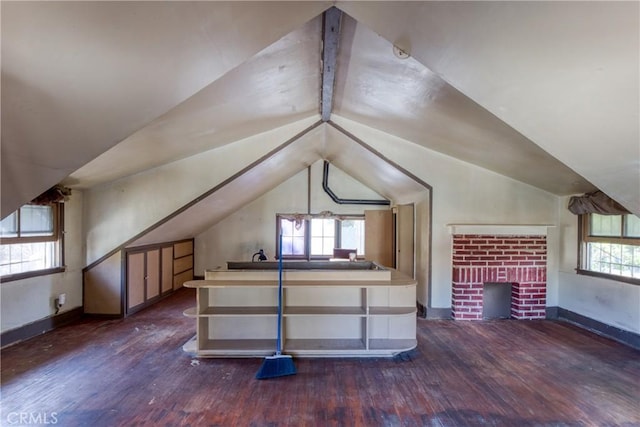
point(132, 372)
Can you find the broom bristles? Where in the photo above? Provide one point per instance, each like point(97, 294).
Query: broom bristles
point(279, 365)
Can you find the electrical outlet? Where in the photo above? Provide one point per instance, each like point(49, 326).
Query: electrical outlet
point(59, 302)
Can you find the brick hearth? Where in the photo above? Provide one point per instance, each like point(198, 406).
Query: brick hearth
point(480, 259)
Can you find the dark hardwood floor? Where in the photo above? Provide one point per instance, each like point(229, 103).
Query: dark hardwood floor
point(132, 372)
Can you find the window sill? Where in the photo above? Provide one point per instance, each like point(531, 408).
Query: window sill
point(625, 279)
point(29, 274)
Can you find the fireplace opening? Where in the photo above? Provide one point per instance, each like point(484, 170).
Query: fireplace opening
point(496, 300)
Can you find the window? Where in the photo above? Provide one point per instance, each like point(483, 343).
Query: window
point(293, 238)
point(611, 245)
point(317, 236)
point(31, 241)
point(352, 235)
point(323, 236)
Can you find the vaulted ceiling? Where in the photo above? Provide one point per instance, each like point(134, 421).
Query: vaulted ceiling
point(544, 92)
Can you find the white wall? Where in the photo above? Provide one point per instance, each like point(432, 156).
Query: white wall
point(28, 300)
point(608, 301)
point(464, 194)
point(253, 227)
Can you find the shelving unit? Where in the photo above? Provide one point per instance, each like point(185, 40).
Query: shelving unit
point(236, 315)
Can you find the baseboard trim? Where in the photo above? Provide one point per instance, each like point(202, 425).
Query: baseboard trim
point(39, 327)
point(436, 313)
point(626, 337)
point(552, 312)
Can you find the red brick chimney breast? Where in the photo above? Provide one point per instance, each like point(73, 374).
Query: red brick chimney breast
point(519, 260)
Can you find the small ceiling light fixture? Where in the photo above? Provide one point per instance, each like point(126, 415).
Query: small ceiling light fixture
point(400, 53)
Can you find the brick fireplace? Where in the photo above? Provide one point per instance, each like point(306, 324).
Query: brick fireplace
point(520, 260)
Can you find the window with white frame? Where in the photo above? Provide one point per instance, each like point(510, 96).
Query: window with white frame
point(611, 245)
point(323, 237)
point(31, 241)
point(317, 236)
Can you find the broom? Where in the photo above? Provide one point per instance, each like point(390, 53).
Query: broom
point(279, 364)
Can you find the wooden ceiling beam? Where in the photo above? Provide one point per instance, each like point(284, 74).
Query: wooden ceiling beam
point(330, 39)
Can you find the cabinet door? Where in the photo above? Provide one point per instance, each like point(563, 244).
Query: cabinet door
point(404, 239)
point(378, 237)
point(135, 279)
point(153, 274)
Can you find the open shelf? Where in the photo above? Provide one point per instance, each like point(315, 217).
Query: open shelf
point(231, 311)
point(324, 345)
point(241, 347)
point(239, 311)
point(191, 312)
point(349, 318)
point(324, 311)
point(398, 345)
point(391, 311)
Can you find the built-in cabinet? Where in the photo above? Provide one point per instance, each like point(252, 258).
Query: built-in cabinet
point(390, 238)
point(146, 273)
point(378, 237)
point(155, 271)
point(320, 318)
point(135, 278)
point(182, 263)
point(404, 231)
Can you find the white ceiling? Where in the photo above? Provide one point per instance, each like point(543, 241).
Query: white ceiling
point(542, 92)
point(404, 98)
point(563, 74)
point(277, 86)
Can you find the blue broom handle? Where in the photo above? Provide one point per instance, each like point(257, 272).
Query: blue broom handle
point(279, 338)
